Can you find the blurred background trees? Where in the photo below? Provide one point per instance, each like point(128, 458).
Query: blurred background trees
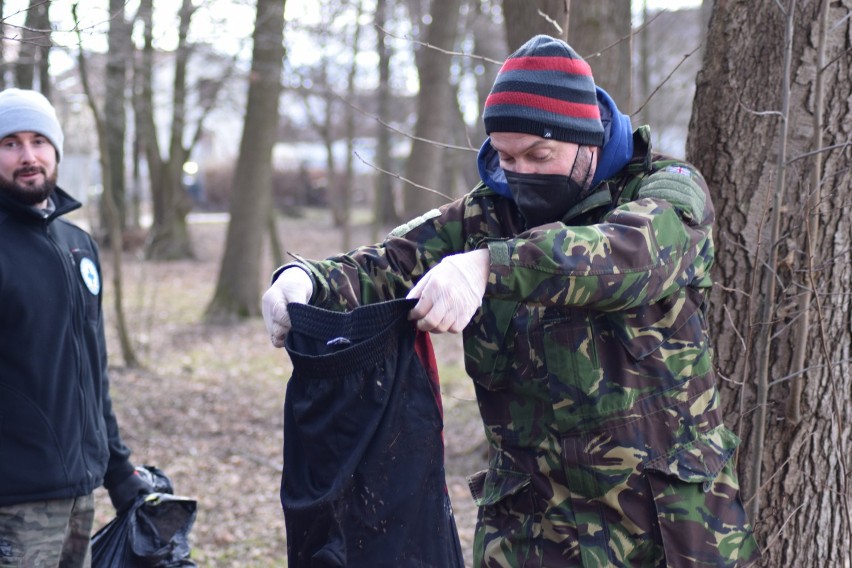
point(370, 112)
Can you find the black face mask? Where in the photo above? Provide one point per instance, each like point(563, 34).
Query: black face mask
point(546, 198)
point(543, 198)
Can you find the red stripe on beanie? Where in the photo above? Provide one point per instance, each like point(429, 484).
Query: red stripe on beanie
point(565, 108)
point(534, 63)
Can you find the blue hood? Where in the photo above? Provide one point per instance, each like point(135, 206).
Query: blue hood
point(617, 149)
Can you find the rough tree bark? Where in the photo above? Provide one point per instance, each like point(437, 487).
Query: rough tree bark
point(804, 495)
point(238, 288)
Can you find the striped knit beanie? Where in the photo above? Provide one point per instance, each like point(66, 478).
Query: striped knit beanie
point(545, 89)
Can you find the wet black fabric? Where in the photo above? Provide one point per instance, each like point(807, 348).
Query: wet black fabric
point(363, 482)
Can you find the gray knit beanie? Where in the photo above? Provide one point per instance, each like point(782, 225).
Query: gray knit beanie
point(545, 89)
point(23, 110)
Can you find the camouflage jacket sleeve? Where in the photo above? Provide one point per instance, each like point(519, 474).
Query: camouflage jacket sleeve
point(388, 270)
point(645, 249)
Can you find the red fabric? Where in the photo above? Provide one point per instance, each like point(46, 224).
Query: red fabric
point(426, 356)
point(553, 63)
point(567, 108)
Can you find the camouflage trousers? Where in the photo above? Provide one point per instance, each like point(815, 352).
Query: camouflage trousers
point(47, 534)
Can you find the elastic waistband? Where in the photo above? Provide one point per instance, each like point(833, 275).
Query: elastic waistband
point(364, 336)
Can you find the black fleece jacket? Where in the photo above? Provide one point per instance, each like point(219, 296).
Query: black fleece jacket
point(58, 434)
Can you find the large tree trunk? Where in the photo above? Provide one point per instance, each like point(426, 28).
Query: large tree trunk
point(426, 162)
point(238, 288)
point(601, 33)
point(795, 462)
point(525, 18)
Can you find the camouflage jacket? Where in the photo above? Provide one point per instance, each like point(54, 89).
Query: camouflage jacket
point(592, 369)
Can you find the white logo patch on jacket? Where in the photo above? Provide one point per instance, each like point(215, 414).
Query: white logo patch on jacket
point(90, 275)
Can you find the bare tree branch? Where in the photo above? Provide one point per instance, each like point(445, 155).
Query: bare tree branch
point(819, 151)
point(769, 285)
point(664, 81)
point(635, 32)
point(551, 21)
point(403, 133)
point(408, 181)
point(438, 49)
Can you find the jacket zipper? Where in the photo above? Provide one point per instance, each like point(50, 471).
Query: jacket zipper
point(68, 267)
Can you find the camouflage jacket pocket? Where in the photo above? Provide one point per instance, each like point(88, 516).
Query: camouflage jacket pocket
point(489, 344)
point(701, 461)
point(698, 507)
point(666, 341)
point(490, 486)
point(506, 532)
point(644, 329)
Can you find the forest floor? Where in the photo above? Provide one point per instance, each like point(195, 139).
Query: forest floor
point(206, 405)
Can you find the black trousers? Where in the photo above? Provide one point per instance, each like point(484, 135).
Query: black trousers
point(363, 482)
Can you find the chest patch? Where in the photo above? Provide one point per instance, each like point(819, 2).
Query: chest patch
point(90, 275)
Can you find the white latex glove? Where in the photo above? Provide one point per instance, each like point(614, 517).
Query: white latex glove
point(292, 285)
point(451, 292)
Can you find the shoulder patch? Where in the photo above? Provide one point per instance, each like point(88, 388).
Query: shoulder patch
point(678, 189)
point(414, 223)
point(679, 170)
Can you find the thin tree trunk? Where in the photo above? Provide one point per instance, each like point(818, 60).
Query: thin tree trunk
point(34, 49)
point(384, 210)
point(493, 49)
point(3, 65)
point(349, 175)
point(276, 249)
point(238, 287)
point(114, 104)
point(169, 236)
point(426, 160)
point(803, 325)
point(108, 202)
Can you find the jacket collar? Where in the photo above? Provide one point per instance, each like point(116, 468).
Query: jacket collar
point(604, 193)
point(62, 202)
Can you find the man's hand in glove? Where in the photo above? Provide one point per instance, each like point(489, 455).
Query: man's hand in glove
point(125, 492)
point(292, 285)
point(451, 292)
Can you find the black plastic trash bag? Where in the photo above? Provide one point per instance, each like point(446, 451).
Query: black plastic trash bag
point(151, 533)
